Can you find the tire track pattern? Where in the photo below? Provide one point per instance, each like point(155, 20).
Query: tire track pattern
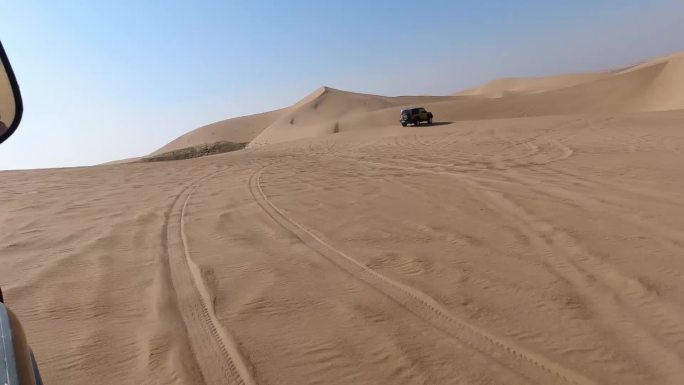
point(215, 351)
point(599, 284)
point(517, 358)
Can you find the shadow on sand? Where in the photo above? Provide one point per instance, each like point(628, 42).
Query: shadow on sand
point(433, 124)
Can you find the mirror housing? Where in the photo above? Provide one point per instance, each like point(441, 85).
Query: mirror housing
point(11, 106)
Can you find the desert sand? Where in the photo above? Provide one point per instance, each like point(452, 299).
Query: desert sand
point(532, 235)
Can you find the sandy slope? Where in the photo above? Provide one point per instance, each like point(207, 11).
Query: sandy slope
point(320, 113)
point(655, 85)
point(239, 130)
point(500, 250)
point(507, 86)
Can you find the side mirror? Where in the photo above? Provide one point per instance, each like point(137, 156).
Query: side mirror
point(11, 107)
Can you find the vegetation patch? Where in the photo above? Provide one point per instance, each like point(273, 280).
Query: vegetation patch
point(196, 151)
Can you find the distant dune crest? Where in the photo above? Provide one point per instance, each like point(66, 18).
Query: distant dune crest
point(506, 86)
point(655, 85)
point(323, 112)
point(236, 130)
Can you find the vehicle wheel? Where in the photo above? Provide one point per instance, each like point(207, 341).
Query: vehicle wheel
point(430, 120)
point(416, 122)
point(403, 124)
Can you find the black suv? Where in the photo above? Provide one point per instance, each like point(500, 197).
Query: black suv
point(415, 116)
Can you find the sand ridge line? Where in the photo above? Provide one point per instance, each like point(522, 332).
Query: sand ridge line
point(420, 303)
point(213, 346)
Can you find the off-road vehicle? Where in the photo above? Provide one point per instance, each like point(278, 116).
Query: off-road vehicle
point(415, 116)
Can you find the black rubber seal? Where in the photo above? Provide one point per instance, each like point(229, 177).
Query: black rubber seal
point(18, 104)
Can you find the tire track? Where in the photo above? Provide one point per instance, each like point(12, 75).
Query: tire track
point(569, 258)
point(215, 351)
point(592, 182)
point(673, 236)
point(514, 356)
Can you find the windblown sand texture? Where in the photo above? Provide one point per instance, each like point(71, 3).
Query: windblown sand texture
point(533, 235)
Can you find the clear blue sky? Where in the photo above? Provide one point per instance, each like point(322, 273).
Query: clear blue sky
point(105, 80)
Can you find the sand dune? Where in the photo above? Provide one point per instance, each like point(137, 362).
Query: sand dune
point(535, 238)
point(507, 86)
point(320, 113)
point(238, 130)
point(656, 85)
point(666, 82)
